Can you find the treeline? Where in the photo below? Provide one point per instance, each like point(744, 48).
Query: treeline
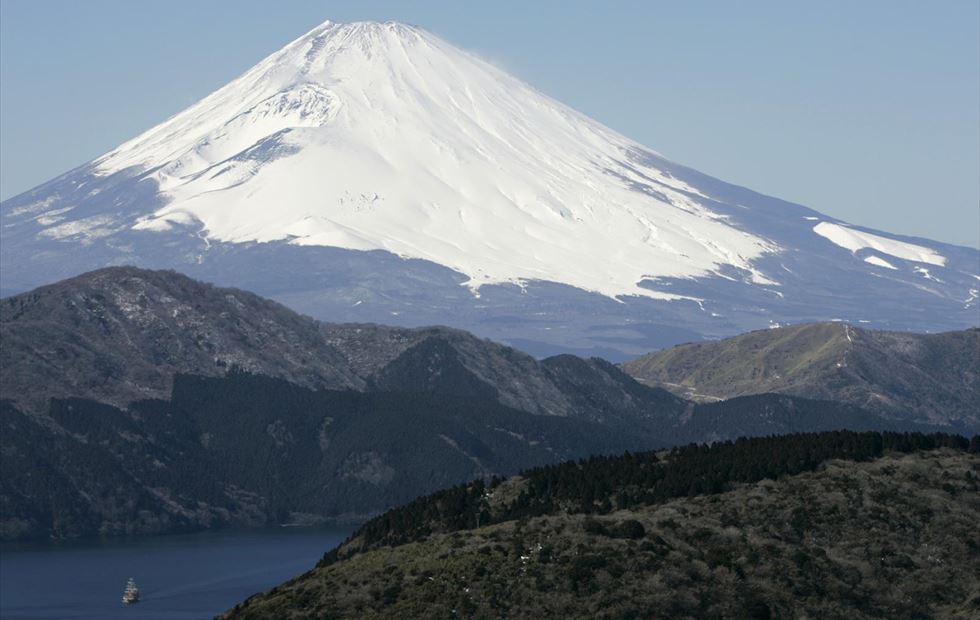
point(601, 484)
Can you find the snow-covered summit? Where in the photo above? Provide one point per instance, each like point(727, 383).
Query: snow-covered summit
point(314, 174)
point(382, 136)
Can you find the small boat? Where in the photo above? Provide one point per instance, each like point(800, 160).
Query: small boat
point(131, 594)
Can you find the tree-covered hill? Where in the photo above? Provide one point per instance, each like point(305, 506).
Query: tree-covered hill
point(252, 450)
point(830, 525)
point(141, 401)
point(602, 484)
point(247, 449)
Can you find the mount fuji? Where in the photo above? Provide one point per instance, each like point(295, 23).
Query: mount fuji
point(374, 172)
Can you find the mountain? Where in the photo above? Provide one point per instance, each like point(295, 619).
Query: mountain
point(862, 526)
point(120, 334)
point(248, 450)
point(929, 378)
point(374, 172)
point(139, 402)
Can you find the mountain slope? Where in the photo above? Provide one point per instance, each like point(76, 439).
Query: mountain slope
point(120, 334)
point(247, 450)
point(373, 172)
point(144, 402)
point(828, 538)
point(415, 125)
point(931, 378)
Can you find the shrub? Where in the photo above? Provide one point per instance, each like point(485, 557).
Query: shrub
point(630, 528)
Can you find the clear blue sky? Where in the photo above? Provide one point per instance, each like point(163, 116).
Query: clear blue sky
point(868, 111)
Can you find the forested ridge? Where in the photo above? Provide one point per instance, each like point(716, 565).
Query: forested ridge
point(246, 449)
point(603, 484)
point(249, 450)
point(832, 525)
point(143, 402)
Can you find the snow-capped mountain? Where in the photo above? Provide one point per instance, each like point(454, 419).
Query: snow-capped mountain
point(373, 171)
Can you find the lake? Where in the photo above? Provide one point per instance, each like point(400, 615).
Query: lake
point(180, 576)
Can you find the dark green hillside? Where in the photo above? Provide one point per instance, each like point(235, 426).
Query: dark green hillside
point(252, 450)
point(603, 484)
point(55, 484)
point(127, 412)
point(833, 525)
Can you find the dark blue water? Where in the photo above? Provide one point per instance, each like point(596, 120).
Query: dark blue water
point(186, 576)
